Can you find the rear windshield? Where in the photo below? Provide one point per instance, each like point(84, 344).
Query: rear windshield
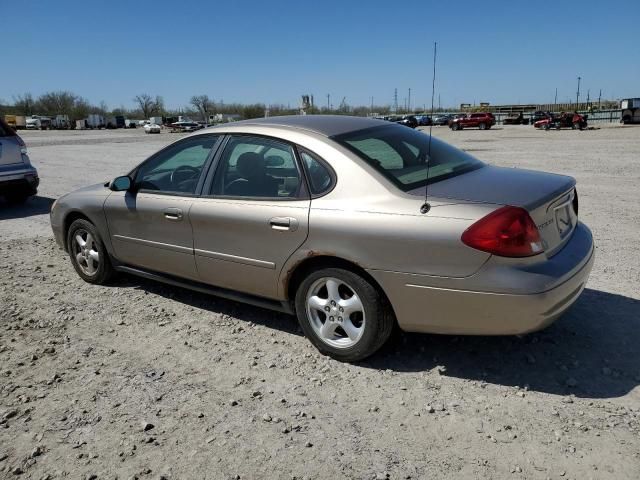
point(6, 130)
point(401, 153)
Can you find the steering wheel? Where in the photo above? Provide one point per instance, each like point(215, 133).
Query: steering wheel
point(182, 173)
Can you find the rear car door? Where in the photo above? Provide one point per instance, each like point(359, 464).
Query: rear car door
point(149, 225)
point(252, 216)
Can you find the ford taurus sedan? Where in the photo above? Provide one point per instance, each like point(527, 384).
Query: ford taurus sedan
point(325, 217)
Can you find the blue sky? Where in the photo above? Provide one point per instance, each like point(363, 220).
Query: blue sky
point(274, 51)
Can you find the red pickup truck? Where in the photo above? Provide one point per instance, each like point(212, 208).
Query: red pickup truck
point(483, 121)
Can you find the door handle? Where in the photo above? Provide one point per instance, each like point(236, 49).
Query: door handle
point(284, 224)
point(173, 214)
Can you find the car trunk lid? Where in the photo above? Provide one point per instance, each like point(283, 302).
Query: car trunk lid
point(10, 146)
point(549, 198)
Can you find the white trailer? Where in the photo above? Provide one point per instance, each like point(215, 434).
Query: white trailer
point(95, 120)
point(61, 122)
point(155, 121)
point(630, 110)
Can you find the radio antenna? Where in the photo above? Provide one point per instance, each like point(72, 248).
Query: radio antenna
point(426, 207)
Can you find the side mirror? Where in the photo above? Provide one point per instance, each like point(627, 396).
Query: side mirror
point(120, 184)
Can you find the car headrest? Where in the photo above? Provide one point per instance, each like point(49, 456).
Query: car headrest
point(250, 164)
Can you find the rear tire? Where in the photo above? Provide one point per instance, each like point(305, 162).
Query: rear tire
point(482, 126)
point(342, 314)
point(88, 254)
point(455, 127)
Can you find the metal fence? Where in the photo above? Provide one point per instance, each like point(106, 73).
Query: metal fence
point(599, 116)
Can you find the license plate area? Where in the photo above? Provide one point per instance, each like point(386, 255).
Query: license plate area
point(564, 220)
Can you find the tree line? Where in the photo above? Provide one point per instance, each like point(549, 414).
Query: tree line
point(200, 107)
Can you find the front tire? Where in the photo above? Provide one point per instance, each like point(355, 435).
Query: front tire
point(88, 255)
point(482, 126)
point(343, 314)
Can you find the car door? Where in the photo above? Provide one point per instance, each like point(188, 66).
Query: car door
point(252, 216)
point(149, 225)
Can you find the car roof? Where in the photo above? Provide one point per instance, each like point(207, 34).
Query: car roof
point(327, 125)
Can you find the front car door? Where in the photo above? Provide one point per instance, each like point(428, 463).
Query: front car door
point(252, 216)
point(149, 225)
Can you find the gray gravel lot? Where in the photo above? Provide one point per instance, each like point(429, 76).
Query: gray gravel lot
point(141, 380)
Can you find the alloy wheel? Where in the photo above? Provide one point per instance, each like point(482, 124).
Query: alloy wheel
point(86, 252)
point(336, 312)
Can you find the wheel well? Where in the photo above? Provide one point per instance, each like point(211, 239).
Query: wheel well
point(69, 219)
point(324, 261)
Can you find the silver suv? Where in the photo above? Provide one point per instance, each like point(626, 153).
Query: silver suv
point(18, 178)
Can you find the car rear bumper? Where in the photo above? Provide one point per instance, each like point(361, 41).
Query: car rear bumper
point(18, 179)
point(544, 292)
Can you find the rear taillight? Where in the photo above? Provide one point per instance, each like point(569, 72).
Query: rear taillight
point(23, 146)
point(507, 232)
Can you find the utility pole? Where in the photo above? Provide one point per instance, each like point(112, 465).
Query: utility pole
point(555, 100)
point(588, 97)
point(328, 101)
point(371, 105)
point(599, 98)
point(578, 94)
point(409, 102)
point(439, 104)
point(395, 100)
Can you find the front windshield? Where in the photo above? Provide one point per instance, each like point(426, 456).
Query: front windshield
point(401, 154)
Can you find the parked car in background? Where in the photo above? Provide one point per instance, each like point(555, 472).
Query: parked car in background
point(185, 126)
point(423, 120)
point(540, 115)
point(320, 216)
point(408, 121)
point(152, 128)
point(564, 120)
point(18, 178)
point(442, 120)
point(483, 121)
point(516, 119)
point(37, 122)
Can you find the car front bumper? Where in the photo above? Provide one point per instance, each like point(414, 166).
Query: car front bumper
point(18, 179)
point(497, 300)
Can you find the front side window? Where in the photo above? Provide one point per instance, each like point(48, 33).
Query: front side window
point(178, 168)
point(257, 167)
point(401, 155)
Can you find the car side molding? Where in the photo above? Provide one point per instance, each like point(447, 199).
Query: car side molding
point(278, 306)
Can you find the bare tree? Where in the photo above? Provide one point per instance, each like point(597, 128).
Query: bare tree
point(203, 104)
point(54, 103)
point(158, 106)
point(24, 104)
point(146, 104)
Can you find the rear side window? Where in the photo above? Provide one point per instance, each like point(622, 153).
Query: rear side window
point(401, 154)
point(320, 177)
point(6, 130)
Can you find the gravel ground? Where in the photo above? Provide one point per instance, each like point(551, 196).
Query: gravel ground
point(141, 380)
